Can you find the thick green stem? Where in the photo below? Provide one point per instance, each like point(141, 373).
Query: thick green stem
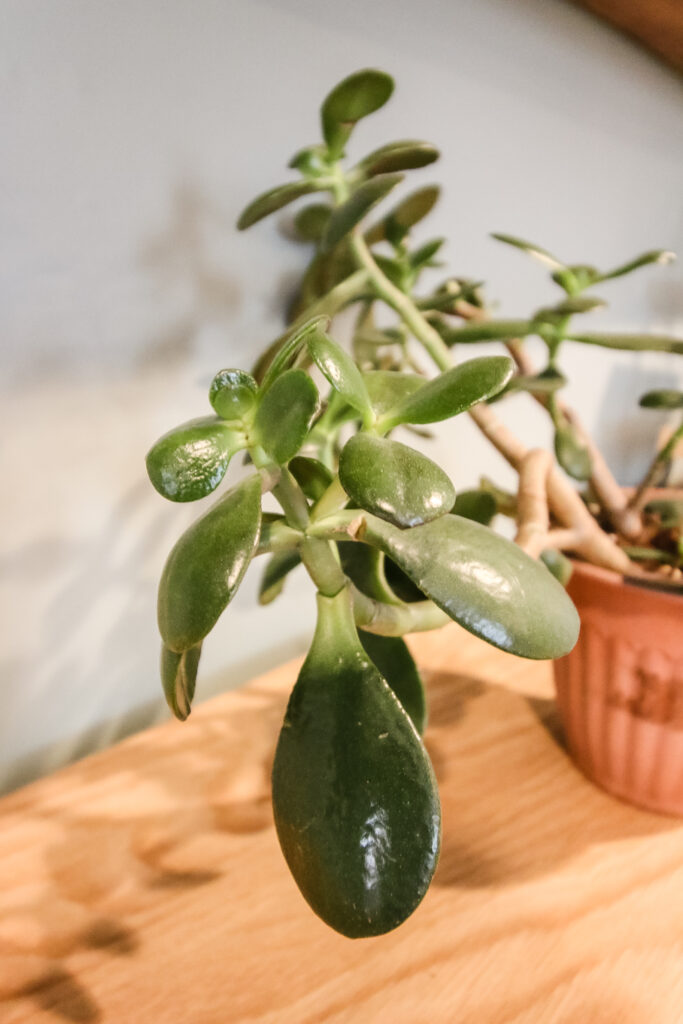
point(396, 620)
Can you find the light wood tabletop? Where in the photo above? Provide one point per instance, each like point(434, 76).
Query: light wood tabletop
point(145, 884)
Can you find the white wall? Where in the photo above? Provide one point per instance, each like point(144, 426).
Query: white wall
point(133, 133)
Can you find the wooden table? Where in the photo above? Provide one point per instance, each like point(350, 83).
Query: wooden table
point(145, 884)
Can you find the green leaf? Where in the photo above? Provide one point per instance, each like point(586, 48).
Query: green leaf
point(345, 217)
point(274, 199)
point(484, 582)
point(388, 388)
point(631, 342)
point(489, 330)
point(310, 222)
point(533, 250)
point(232, 394)
point(664, 398)
point(452, 392)
point(285, 414)
point(394, 481)
point(668, 510)
point(403, 217)
point(405, 155)
point(341, 371)
point(479, 506)
point(190, 461)
point(288, 349)
point(571, 453)
point(574, 304)
point(547, 382)
point(424, 256)
point(662, 256)
point(278, 567)
point(206, 566)
point(364, 566)
point(355, 97)
point(354, 796)
point(312, 476)
point(558, 564)
point(393, 660)
point(178, 677)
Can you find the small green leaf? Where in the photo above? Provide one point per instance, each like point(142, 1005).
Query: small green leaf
point(557, 564)
point(311, 222)
point(403, 217)
point(395, 663)
point(479, 506)
point(190, 461)
point(355, 97)
point(631, 342)
point(489, 330)
point(277, 569)
point(289, 347)
point(206, 566)
point(484, 582)
point(285, 414)
point(309, 160)
point(394, 481)
point(664, 398)
point(345, 217)
point(178, 677)
point(275, 199)
point(312, 476)
point(424, 256)
point(232, 394)
point(341, 371)
point(354, 796)
point(405, 155)
point(571, 453)
point(574, 304)
point(662, 256)
point(452, 392)
point(533, 250)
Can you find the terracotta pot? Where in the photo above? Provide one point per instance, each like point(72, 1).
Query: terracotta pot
point(620, 691)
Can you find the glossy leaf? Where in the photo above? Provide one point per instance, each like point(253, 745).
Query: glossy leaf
point(312, 476)
point(340, 370)
point(273, 200)
point(278, 567)
point(285, 414)
point(405, 155)
point(232, 394)
point(533, 250)
point(662, 256)
point(364, 566)
point(344, 218)
point(290, 347)
point(206, 566)
point(558, 564)
point(190, 461)
point(311, 222)
point(663, 398)
point(355, 97)
point(571, 453)
point(354, 796)
point(631, 342)
point(388, 388)
point(403, 217)
point(484, 582)
point(395, 663)
point(452, 392)
point(178, 677)
point(479, 506)
point(394, 481)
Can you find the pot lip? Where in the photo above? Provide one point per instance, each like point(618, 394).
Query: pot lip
point(617, 580)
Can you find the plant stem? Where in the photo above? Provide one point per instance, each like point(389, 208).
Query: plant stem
point(317, 555)
point(651, 478)
point(396, 620)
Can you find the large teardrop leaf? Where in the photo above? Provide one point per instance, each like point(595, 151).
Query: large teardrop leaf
point(452, 392)
point(354, 796)
point(571, 453)
point(394, 481)
point(388, 388)
point(190, 461)
point(278, 567)
point(285, 414)
point(178, 677)
point(345, 217)
point(405, 155)
point(355, 97)
point(232, 394)
point(206, 566)
point(484, 582)
point(390, 655)
point(273, 200)
point(341, 371)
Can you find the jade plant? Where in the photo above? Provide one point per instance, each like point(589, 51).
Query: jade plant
point(391, 548)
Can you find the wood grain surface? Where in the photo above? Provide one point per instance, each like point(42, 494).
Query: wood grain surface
point(145, 884)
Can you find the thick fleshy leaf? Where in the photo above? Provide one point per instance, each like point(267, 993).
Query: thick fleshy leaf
point(285, 414)
point(489, 330)
point(312, 476)
point(277, 569)
point(340, 370)
point(631, 342)
point(354, 796)
point(662, 256)
point(190, 461)
point(344, 218)
point(570, 306)
point(484, 582)
point(311, 222)
point(532, 249)
point(206, 566)
point(178, 677)
point(394, 481)
point(558, 564)
point(403, 217)
point(571, 453)
point(664, 398)
point(355, 97)
point(232, 394)
point(388, 388)
point(364, 566)
point(289, 347)
point(405, 155)
point(424, 256)
point(452, 392)
point(273, 200)
point(390, 655)
point(479, 506)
